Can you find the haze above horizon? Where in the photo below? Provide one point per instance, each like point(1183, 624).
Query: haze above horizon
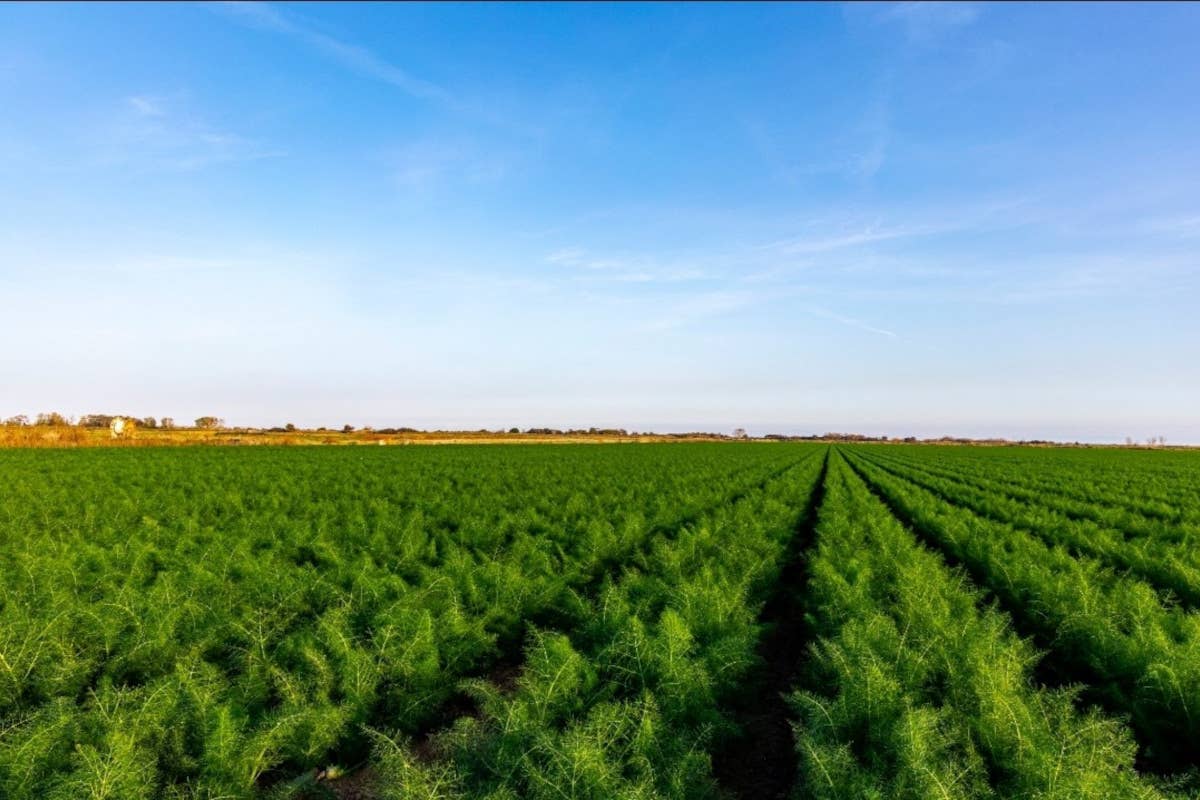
point(903, 219)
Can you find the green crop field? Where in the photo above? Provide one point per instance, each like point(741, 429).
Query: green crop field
point(622, 621)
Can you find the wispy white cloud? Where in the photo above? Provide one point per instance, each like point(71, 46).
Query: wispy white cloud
point(857, 151)
point(927, 21)
point(582, 259)
point(153, 131)
point(1182, 227)
point(427, 163)
point(852, 322)
point(351, 56)
point(367, 63)
point(625, 269)
point(697, 307)
point(1087, 279)
point(825, 243)
point(145, 106)
point(570, 256)
point(877, 133)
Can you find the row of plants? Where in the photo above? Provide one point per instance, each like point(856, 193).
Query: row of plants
point(626, 702)
point(205, 623)
point(1142, 491)
point(916, 688)
point(1164, 563)
point(1125, 509)
point(1110, 632)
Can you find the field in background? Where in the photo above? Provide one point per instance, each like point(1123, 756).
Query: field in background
point(685, 621)
point(76, 436)
point(67, 436)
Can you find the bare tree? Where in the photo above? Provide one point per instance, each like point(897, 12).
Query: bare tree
point(167, 422)
point(209, 423)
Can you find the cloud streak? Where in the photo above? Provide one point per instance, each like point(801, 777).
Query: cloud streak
point(871, 233)
point(151, 131)
point(854, 323)
point(368, 64)
point(1185, 227)
point(425, 164)
point(351, 56)
point(639, 269)
point(928, 20)
point(699, 307)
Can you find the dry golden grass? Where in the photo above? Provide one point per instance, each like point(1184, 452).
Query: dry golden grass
point(74, 436)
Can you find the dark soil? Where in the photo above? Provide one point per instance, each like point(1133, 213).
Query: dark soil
point(358, 785)
point(504, 675)
point(761, 763)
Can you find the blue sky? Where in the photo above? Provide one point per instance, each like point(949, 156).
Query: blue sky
point(904, 219)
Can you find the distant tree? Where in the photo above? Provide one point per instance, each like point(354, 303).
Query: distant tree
point(1129, 441)
point(347, 429)
point(514, 430)
point(149, 422)
point(739, 433)
point(19, 419)
point(209, 423)
point(52, 418)
point(167, 422)
point(290, 427)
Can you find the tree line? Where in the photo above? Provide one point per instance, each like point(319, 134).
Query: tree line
point(53, 418)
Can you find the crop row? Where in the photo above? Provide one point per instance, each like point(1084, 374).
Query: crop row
point(627, 704)
point(1069, 494)
point(920, 690)
point(1161, 562)
point(194, 624)
point(1112, 632)
point(1144, 493)
point(511, 622)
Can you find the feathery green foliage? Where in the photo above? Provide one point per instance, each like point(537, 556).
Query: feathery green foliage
point(583, 622)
